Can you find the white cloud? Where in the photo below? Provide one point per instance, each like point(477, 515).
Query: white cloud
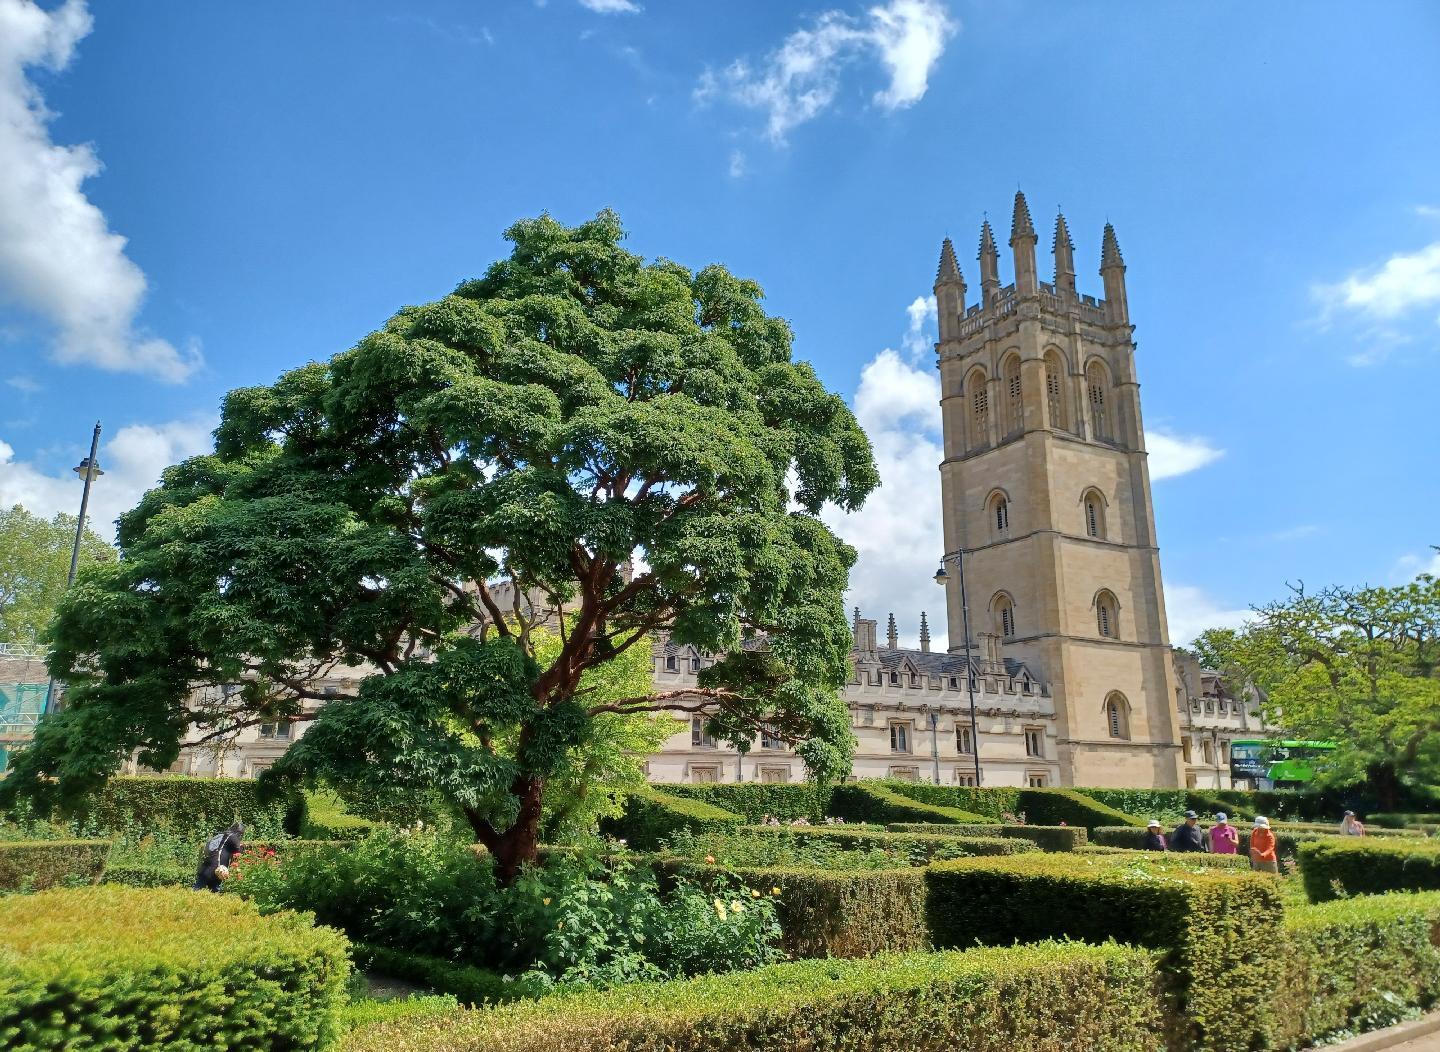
point(801, 79)
point(898, 532)
point(737, 163)
point(132, 461)
point(919, 338)
point(1191, 610)
point(58, 256)
point(1428, 211)
point(1402, 283)
point(611, 7)
point(23, 383)
point(1172, 454)
point(1408, 567)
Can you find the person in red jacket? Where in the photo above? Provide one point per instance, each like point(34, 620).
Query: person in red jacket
point(1262, 847)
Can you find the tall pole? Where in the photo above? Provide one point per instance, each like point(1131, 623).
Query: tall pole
point(969, 668)
point(89, 477)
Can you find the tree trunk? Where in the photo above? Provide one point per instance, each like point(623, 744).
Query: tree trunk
point(1385, 785)
point(519, 845)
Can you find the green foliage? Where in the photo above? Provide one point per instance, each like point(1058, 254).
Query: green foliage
point(651, 816)
point(1048, 838)
point(357, 1015)
point(1339, 866)
point(325, 818)
point(831, 848)
point(465, 982)
point(756, 800)
point(999, 804)
point(1286, 842)
point(1163, 804)
point(1355, 965)
point(34, 564)
point(1036, 997)
point(882, 803)
point(1426, 821)
point(36, 865)
point(829, 913)
point(1356, 666)
point(420, 504)
point(576, 921)
point(1045, 807)
point(121, 968)
point(191, 807)
point(1215, 930)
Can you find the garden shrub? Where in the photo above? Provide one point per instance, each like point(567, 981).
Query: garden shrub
point(40, 864)
point(1333, 829)
point(1286, 843)
point(1356, 965)
point(1045, 807)
point(1214, 929)
point(1424, 820)
point(844, 849)
point(150, 875)
point(754, 800)
point(464, 982)
point(651, 816)
point(324, 817)
point(828, 913)
point(370, 1012)
point(1333, 867)
point(123, 968)
point(1146, 803)
point(918, 846)
point(994, 1000)
point(1048, 838)
point(192, 807)
point(998, 804)
point(882, 803)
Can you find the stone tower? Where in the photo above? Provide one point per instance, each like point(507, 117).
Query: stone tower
point(1046, 494)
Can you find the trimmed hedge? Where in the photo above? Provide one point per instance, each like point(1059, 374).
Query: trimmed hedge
point(755, 800)
point(194, 807)
point(33, 865)
point(1425, 821)
point(1048, 838)
point(926, 845)
point(468, 984)
point(882, 803)
point(1339, 866)
point(368, 1012)
point(1041, 807)
point(1287, 844)
point(150, 875)
point(1040, 997)
point(1333, 829)
point(323, 817)
point(122, 968)
point(1352, 964)
point(825, 913)
point(1215, 930)
point(651, 816)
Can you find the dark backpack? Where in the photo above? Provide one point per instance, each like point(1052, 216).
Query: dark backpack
point(213, 846)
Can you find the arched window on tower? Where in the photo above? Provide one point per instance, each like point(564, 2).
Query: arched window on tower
point(1097, 381)
point(978, 398)
point(1117, 716)
point(1094, 507)
point(1055, 390)
point(1004, 616)
point(999, 509)
point(1014, 399)
point(1107, 615)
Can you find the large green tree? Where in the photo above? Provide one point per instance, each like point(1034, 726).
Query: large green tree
point(579, 441)
point(34, 563)
point(1357, 666)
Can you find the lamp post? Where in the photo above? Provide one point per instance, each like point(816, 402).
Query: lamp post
point(88, 470)
point(942, 577)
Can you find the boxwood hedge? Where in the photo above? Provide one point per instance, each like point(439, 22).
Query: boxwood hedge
point(882, 803)
point(1333, 867)
point(1047, 997)
point(1048, 838)
point(194, 807)
point(466, 983)
point(924, 845)
point(1287, 842)
point(1354, 963)
point(123, 968)
point(33, 865)
point(755, 800)
point(1215, 930)
point(1044, 807)
point(651, 816)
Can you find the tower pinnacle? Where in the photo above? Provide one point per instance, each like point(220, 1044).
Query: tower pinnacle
point(924, 634)
point(989, 265)
point(1112, 270)
point(1020, 224)
point(892, 635)
point(1064, 256)
point(1022, 243)
point(949, 269)
point(1110, 250)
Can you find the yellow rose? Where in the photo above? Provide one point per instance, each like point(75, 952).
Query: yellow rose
point(737, 907)
point(754, 894)
point(774, 891)
point(545, 901)
point(720, 909)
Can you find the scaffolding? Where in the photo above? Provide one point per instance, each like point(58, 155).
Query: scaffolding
point(21, 706)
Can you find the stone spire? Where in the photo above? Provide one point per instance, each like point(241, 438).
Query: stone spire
point(892, 635)
point(989, 265)
point(924, 634)
point(949, 293)
point(1112, 270)
point(1022, 243)
point(1064, 256)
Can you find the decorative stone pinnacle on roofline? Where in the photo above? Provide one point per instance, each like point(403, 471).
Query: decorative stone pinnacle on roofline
point(892, 635)
point(949, 269)
point(1110, 250)
point(1020, 224)
point(987, 243)
point(924, 634)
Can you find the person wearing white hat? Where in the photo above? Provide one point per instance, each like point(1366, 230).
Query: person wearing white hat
point(1262, 847)
point(1155, 836)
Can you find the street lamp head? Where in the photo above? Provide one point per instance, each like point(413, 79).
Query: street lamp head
point(941, 575)
point(87, 470)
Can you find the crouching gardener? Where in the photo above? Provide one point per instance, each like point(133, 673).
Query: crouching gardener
point(215, 862)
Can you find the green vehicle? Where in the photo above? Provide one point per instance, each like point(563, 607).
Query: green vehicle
point(1278, 763)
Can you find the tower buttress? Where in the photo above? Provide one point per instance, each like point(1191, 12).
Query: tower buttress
point(1022, 243)
point(989, 265)
point(1112, 270)
point(949, 292)
point(1064, 257)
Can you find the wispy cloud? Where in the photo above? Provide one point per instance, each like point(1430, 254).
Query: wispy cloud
point(611, 7)
point(1428, 211)
point(1173, 454)
point(737, 164)
point(1190, 610)
point(801, 79)
point(1294, 533)
point(23, 383)
point(1408, 567)
point(58, 255)
point(1385, 303)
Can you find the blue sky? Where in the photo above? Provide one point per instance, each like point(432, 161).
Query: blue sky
point(195, 197)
